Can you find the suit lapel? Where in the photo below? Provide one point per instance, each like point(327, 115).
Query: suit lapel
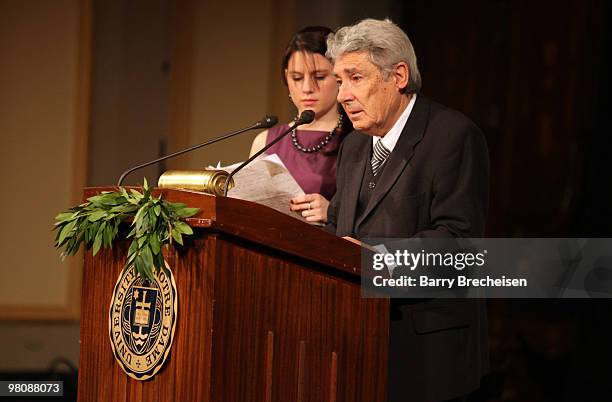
point(358, 162)
point(402, 153)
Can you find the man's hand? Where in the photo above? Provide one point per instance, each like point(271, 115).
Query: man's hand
point(357, 242)
point(313, 207)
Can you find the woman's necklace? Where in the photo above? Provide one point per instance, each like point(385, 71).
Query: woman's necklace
point(320, 145)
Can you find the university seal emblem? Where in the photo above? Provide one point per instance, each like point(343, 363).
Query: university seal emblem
point(142, 319)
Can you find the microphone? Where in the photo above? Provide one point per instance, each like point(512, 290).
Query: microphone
point(266, 122)
point(307, 116)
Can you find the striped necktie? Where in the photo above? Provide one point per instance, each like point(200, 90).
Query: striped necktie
point(379, 156)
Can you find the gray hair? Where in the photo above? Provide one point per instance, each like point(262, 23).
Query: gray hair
point(385, 43)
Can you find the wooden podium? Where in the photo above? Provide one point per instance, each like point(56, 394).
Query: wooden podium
point(269, 309)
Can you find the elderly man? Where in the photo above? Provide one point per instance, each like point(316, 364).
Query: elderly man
point(412, 168)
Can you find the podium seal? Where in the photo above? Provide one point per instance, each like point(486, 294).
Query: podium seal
point(142, 319)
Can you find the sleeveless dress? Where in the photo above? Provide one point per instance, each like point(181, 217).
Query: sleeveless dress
point(315, 172)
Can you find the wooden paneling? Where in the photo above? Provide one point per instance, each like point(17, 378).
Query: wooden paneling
point(44, 103)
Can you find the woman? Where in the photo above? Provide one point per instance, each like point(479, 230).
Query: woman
point(310, 152)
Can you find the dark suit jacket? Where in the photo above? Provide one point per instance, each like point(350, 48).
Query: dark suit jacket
point(435, 184)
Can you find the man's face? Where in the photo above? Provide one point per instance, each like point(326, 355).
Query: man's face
point(371, 102)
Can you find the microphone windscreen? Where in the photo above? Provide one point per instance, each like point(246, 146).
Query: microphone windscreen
point(268, 121)
point(306, 117)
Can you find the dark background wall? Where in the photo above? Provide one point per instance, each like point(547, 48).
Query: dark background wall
point(534, 77)
point(530, 74)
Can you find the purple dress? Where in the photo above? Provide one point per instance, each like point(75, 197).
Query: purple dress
point(315, 172)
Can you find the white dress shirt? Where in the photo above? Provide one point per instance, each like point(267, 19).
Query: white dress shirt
point(390, 139)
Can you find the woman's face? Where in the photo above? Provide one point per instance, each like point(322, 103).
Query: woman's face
point(311, 83)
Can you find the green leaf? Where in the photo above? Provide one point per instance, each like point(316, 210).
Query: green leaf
point(143, 224)
point(97, 215)
point(97, 243)
point(148, 269)
point(141, 241)
point(176, 235)
point(108, 236)
point(173, 206)
point(186, 212)
point(139, 266)
point(142, 268)
point(138, 216)
point(154, 243)
point(147, 255)
point(159, 261)
point(132, 252)
point(94, 199)
point(101, 231)
point(72, 246)
point(66, 232)
point(132, 233)
point(124, 193)
point(66, 216)
point(136, 194)
point(183, 228)
point(105, 199)
point(152, 217)
point(165, 216)
point(92, 231)
point(164, 234)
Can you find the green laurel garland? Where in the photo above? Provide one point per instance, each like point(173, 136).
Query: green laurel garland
point(154, 223)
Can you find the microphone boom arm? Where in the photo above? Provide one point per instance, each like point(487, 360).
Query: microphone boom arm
point(268, 121)
point(306, 117)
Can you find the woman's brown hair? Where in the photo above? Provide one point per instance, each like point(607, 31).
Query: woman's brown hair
point(314, 40)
